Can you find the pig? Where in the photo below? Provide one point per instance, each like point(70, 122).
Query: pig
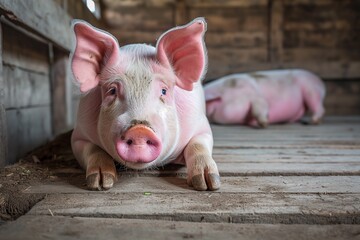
point(142, 106)
point(264, 97)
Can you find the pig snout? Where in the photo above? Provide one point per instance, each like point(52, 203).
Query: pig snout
point(139, 144)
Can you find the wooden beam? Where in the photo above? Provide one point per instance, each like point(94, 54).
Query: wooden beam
point(60, 92)
point(3, 132)
point(276, 14)
point(42, 17)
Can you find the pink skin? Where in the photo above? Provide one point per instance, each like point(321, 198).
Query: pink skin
point(142, 106)
point(265, 97)
point(139, 144)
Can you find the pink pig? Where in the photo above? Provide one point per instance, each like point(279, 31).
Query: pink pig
point(264, 97)
point(142, 106)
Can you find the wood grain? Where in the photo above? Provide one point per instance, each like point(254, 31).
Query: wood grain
point(59, 227)
point(3, 130)
point(41, 16)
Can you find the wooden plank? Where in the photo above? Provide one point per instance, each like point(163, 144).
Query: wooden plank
point(333, 145)
point(131, 18)
point(3, 127)
point(225, 3)
point(288, 169)
point(25, 88)
point(251, 184)
point(41, 16)
point(245, 19)
point(232, 167)
point(58, 227)
point(227, 60)
point(22, 51)
point(328, 15)
point(236, 39)
point(131, 36)
point(27, 128)
point(115, 4)
point(337, 70)
point(246, 157)
point(344, 97)
point(331, 38)
point(317, 54)
point(293, 130)
point(301, 2)
point(264, 154)
point(61, 94)
point(276, 37)
point(328, 145)
point(208, 207)
point(213, 39)
point(181, 13)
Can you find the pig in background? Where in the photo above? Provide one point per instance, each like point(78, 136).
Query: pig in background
point(142, 106)
point(265, 97)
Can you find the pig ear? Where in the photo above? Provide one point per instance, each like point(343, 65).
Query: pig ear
point(94, 50)
point(183, 50)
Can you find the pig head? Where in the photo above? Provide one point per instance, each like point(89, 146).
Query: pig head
point(142, 106)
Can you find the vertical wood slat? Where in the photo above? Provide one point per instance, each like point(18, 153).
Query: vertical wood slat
point(181, 13)
point(60, 91)
point(3, 130)
point(276, 31)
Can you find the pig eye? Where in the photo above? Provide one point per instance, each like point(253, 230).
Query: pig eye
point(163, 91)
point(112, 91)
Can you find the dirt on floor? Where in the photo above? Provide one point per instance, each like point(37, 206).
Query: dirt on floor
point(38, 166)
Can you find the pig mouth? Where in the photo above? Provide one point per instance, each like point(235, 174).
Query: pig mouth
point(138, 144)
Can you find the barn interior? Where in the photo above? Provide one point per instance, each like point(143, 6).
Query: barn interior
point(309, 174)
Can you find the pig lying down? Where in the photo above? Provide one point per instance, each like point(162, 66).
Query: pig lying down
point(264, 97)
point(142, 106)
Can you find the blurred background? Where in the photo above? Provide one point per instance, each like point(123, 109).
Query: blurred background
point(38, 99)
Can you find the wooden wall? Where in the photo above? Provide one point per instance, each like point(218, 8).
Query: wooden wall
point(27, 92)
point(35, 85)
point(322, 36)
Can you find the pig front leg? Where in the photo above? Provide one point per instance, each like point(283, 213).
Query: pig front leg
point(314, 103)
point(260, 111)
point(99, 166)
point(201, 167)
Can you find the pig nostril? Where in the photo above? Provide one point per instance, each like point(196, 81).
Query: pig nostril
point(129, 142)
point(149, 142)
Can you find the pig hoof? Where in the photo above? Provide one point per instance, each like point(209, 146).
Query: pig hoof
point(263, 124)
point(316, 121)
point(213, 181)
point(209, 182)
point(95, 182)
point(198, 182)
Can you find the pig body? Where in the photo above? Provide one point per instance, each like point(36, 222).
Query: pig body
point(264, 97)
point(142, 106)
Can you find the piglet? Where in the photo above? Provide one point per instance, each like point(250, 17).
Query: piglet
point(142, 106)
point(264, 97)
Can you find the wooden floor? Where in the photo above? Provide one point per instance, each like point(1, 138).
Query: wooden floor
point(285, 182)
